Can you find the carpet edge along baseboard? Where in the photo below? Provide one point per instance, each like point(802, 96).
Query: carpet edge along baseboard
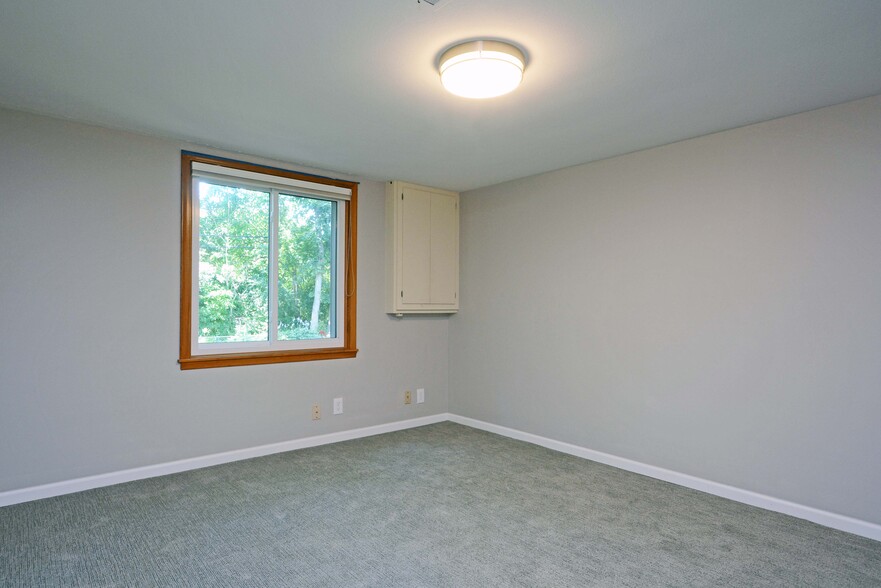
point(826, 518)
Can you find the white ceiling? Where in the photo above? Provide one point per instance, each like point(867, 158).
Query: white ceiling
point(351, 86)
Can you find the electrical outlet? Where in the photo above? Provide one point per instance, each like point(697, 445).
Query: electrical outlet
point(407, 397)
point(337, 406)
point(316, 412)
point(420, 395)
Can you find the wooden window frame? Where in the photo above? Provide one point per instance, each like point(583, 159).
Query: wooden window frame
point(189, 361)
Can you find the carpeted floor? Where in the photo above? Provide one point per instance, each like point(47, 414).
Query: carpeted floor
point(442, 505)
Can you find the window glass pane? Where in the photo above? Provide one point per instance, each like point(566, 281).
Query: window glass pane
point(306, 264)
point(233, 264)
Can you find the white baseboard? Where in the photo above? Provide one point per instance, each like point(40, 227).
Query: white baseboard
point(79, 484)
point(821, 517)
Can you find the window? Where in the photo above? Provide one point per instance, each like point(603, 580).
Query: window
point(267, 264)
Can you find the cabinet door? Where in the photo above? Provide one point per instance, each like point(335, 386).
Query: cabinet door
point(444, 249)
point(416, 246)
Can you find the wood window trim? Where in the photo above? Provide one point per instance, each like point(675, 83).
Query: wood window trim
point(189, 361)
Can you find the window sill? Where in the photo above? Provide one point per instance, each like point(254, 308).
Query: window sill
point(233, 359)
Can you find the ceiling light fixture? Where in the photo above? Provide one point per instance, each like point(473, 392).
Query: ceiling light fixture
point(481, 69)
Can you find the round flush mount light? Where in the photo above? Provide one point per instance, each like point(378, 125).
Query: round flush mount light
point(481, 69)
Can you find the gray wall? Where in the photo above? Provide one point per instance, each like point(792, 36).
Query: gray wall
point(712, 307)
point(89, 287)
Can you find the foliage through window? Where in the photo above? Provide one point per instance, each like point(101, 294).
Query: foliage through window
point(268, 265)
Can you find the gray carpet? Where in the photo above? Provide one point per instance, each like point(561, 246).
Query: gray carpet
point(442, 505)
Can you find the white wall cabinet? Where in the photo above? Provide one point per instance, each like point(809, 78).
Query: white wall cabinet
point(422, 249)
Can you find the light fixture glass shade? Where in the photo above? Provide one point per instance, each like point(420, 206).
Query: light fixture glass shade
point(481, 69)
